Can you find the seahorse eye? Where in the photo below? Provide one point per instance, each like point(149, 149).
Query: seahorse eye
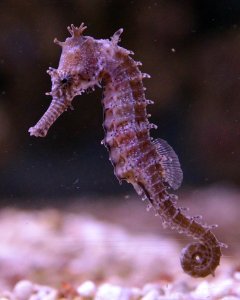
point(64, 80)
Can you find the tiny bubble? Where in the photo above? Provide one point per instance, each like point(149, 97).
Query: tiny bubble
point(173, 50)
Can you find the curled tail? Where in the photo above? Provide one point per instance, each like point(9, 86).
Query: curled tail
point(200, 258)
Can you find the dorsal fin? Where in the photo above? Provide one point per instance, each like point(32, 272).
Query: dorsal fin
point(173, 174)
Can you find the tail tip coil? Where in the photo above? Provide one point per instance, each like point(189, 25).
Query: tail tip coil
point(200, 259)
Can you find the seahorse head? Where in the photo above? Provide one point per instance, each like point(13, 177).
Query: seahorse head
point(78, 70)
point(78, 67)
point(82, 65)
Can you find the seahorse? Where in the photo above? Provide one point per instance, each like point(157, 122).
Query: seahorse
point(151, 166)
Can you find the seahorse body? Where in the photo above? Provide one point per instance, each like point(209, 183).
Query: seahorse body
point(151, 166)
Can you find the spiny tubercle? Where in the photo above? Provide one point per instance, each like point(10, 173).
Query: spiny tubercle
point(151, 166)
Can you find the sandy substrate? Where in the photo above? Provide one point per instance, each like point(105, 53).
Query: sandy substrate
point(105, 254)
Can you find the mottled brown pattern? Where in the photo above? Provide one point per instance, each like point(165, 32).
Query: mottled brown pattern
point(151, 166)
